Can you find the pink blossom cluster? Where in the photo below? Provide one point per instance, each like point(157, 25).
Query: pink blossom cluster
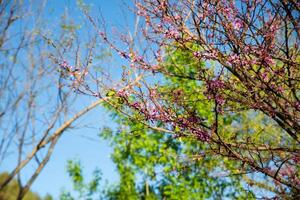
point(172, 34)
point(135, 58)
point(197, 54)
point(158, 113)
point(65, 66)
point(290, 172)
point(216, 84)
point(76, 75)
point(238, 24)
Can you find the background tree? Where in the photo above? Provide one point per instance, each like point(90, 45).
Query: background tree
point(35, 107)
point(12, 190)
point(82, 190)
point(156, 166)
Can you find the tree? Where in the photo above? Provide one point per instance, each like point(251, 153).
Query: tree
point(156, 166)
point(84, 190)
point(35, 107)
point(11, 192)
point(251, 54)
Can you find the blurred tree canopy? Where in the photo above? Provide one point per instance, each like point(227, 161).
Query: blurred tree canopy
point(10, 192)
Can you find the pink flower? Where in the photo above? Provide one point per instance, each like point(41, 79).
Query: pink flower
point(197, 54)
point(201, 135)
point(237, 24)
point(227, 12)
point(220, 100)
point(215, 84)
point(142, 12)
point(177, 17)
point(269, 60)
point(123, 93)
point(264, 76)
point(296, 159)
point(136, 105)
point(172, 34)
point(167, 19)
point(64, 64)
point(297, 105)
point(233, 59)
point(280, 89)
point(155, 67)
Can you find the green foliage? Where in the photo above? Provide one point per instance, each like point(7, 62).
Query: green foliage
point(83, 190)
point(70, 27)
point(157, 166)
point(10, 192)
point(48, 197)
